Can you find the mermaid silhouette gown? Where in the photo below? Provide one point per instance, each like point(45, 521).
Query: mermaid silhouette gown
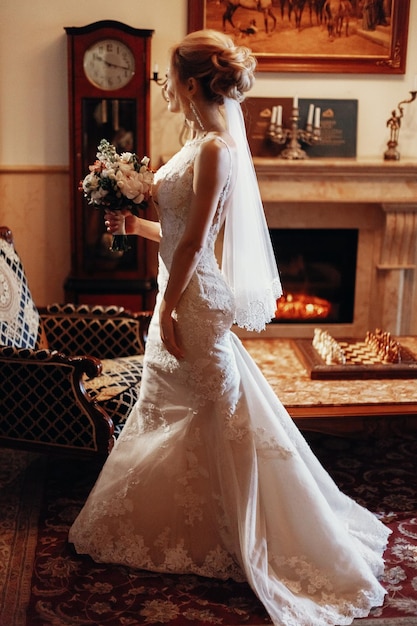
point(210, 476)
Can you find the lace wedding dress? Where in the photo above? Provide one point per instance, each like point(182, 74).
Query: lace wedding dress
point(210, 476)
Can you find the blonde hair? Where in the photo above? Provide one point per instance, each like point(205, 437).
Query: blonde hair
point(222, 68)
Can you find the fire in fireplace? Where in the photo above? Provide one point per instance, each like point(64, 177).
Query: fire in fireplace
point(318, 273)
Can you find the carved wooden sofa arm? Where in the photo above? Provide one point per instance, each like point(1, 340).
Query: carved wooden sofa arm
point(110, 333)
point(45, 405)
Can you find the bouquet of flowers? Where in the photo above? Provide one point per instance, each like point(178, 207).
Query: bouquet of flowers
point(118, 182)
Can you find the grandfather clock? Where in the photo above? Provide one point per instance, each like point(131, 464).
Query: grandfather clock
point(109, 80)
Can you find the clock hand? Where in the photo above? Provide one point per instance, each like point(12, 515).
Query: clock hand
point(99, 58)
point(123, 67)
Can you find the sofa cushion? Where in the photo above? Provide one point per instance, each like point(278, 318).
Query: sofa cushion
point(19, 318)
point(117, 388)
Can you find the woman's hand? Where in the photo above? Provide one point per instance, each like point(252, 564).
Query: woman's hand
point(168, 330)
point(119, 222)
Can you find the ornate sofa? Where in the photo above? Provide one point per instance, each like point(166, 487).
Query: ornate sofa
point(69, 374)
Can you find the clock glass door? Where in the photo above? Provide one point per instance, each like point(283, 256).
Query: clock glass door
point(114, 120)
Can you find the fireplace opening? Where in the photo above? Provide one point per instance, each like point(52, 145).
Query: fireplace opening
point(318, 273)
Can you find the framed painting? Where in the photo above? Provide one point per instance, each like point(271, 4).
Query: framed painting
point(339, 36)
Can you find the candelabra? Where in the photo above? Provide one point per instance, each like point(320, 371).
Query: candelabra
point(394, 124)
point(279, 135)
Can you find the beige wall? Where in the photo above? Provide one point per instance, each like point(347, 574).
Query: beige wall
point(34, 120)
point(34, 204)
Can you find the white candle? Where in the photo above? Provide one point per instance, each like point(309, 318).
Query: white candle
point(274, 116)
point(295, 102)
point(279, 115)
point(156, 68)
point(310, 115)
point(317, 117)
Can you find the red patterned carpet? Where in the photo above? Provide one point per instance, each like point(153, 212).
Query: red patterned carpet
point(44, 584)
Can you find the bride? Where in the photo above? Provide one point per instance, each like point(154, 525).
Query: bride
point(210, 476)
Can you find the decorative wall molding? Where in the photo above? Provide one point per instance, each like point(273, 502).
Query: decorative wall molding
point(34, 169)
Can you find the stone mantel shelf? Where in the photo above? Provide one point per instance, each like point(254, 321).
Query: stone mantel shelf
point(338, 180)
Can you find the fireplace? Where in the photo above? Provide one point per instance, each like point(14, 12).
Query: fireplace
point(318, 273)
point(375, 200)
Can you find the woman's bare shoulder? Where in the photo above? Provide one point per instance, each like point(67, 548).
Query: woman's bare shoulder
point(218, 145)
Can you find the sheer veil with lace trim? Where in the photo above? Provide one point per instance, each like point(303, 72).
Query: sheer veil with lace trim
point(248, 261)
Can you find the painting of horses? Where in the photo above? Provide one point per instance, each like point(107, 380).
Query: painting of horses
point(343, 36)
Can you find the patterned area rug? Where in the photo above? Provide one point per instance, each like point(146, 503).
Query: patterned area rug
point(45, 584)
point(22, 478)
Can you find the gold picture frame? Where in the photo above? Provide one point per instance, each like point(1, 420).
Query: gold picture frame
point(307, 41)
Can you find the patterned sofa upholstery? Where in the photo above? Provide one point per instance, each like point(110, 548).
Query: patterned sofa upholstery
point(69, 374)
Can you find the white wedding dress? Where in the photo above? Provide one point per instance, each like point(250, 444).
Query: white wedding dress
point(210, 476)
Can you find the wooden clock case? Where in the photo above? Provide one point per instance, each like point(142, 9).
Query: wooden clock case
point(119, 114)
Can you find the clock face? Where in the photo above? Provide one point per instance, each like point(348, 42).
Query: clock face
point(109, 64)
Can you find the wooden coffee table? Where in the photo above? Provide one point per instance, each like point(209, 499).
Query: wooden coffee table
point(373, 406)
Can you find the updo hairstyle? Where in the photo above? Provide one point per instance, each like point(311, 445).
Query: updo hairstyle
point(222, 68)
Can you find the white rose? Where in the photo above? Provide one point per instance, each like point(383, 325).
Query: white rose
point(98, 195)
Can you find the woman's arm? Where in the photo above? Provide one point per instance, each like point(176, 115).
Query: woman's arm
point(133, 225)
point(211, 169)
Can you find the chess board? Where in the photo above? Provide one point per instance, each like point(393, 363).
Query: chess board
point(361, 362)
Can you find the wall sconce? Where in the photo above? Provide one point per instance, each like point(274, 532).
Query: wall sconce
point(155, 77)
point(394, 124)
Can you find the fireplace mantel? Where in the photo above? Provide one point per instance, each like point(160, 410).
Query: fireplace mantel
point(377, 197)
point(337, 180)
